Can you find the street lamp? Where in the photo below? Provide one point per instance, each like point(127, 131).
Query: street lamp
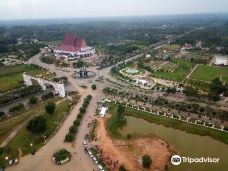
point(31, 144)
point(6, 158)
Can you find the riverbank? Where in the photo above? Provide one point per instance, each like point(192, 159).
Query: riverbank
point(177, 124)
point(129, 151)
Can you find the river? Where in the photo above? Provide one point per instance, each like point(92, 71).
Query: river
point(186, 144)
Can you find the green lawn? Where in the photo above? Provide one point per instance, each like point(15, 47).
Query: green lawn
point(24, 138)
point(183, 68)
point(177, 124)
point(112, 123)
point(208, 73)
point(11, 77)
point(8, 126)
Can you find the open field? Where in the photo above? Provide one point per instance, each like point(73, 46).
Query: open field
point(208, 73)
point(11, 77)
point(21, 142)
point(8, 126)
point(174, 71)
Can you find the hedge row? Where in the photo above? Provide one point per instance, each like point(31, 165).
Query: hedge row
point(73, 130)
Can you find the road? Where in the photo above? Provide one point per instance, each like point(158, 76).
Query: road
point(42, 160)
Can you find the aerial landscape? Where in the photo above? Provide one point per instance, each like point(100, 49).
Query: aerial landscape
point(113, 85)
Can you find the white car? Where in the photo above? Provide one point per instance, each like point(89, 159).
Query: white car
point(90, 154)
point(100, 168)
point(95, 160)
point(84, 143)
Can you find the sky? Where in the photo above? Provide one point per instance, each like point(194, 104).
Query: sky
point(40, 9)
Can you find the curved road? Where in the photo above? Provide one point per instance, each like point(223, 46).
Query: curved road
point(80, 161)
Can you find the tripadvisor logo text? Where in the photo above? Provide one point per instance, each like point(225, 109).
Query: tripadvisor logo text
point(176, 160)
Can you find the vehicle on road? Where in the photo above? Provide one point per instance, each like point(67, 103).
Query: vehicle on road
point(84, 143)
point(100, 168)
point(90, 154)
point(86, 149)
point(95, 160)
point(33, 151)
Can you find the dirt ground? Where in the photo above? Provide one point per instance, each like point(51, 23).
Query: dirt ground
point(129, 152)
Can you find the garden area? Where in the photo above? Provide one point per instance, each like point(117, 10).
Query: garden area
point(175, 71)
point(45, 120)
point(62, 156)
point(208, 73)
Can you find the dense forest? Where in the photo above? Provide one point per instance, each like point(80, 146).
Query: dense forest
point(142, 31)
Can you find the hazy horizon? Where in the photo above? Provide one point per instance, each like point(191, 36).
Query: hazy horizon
point(59, 9)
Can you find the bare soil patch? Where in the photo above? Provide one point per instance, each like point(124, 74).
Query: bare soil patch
point(129, 152)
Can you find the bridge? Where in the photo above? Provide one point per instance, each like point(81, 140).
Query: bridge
point(59, 87)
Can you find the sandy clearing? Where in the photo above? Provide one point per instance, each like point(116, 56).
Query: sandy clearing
point(129, 152)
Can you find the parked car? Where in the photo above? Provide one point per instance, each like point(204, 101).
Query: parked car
point(16, 161)
point(86, 149)
point(33, 151)
point(1, 168)
point(95, 160)
point(90, 154)
point(84, 143)
point(100, 168)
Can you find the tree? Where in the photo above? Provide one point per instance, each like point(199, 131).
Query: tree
point(50, 107)
point(216, 88)
point(69, 137)
point(190, 91)
point(122, 168)
point(17, 108)
point(120, 109)
point(94, 87)
point(82, 110)
point(33, 100)
point(2, 113)
point(37, 124)
point(121, 120)
point(146, 161)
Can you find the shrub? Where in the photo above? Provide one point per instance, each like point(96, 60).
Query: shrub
point(94, 87)
point(122, 168)
point(37, 124)
point(69, 137)
point(50, 107)
point(2, 113)
point(82, 110)
point(73, 129)
point(13, 95)
point(33, 100)
point(146, 161)
point(61, 155)
point(77, 122)
point(47, 96)
point(17, 108)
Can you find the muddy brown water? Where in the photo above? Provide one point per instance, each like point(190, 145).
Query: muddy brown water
point(186, 144)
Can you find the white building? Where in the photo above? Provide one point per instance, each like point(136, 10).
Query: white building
point(221, 60)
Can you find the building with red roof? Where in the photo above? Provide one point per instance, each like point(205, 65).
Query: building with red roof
point(73, 47)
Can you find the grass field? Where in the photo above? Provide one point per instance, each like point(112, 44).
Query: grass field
point(178, 74)
point(24, 138)
point(11, 77)
point(8, 126)
point(177, 124)
point(208, 73)
point(112, 123)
